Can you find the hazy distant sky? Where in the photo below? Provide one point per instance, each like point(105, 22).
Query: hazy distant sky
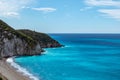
point(62, 16)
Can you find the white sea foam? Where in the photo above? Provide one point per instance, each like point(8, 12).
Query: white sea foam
point(21, 69)
point(66, 46)
point(45, 52)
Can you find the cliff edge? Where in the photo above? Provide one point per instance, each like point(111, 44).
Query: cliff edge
point(22, 42)
point(44, 40)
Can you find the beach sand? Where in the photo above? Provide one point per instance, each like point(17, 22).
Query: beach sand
point(7, 71)
point(3, 77)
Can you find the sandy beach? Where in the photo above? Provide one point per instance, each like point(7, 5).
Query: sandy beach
point(7, 71)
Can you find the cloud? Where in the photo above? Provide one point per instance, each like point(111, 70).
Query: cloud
point(85, 8)
point(111, 7)
point(12, 8)
point(45, 10)
point(114, 13)
point(12, 14)
point(103, 3)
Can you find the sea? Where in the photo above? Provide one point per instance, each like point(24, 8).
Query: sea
point(83, 57)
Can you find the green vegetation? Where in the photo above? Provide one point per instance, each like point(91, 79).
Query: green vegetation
point(30, 37)
point(1, 78)
point(8, 29)
point(42, 38)
point(5, 26)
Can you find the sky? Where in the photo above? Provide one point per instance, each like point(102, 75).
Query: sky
point(62, 16)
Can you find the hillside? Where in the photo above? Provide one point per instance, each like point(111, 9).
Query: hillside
point(44, 40)
point(22, 42)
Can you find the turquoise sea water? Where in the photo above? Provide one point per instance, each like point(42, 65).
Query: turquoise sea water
point(84, 57)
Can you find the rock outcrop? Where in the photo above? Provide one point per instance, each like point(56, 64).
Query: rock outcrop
point(44, 40)
point(21, 42)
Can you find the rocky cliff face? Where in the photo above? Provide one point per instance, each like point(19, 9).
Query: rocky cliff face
point(13, 43)
point(19, 43)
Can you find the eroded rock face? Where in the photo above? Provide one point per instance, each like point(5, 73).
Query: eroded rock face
point(23, 42)
point(18, 47)
point(13, 43)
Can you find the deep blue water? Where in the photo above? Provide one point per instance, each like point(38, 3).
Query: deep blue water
point(84, 57)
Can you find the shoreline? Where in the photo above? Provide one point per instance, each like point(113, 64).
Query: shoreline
point(9, 72)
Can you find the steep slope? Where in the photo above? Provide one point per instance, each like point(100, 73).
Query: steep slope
point(44, 40)
point(14, 43)
point(23, 42)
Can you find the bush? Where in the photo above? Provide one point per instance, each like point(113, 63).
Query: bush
point(1, 78)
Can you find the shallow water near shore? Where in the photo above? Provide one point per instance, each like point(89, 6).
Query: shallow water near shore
point(20, 69)
point(84, 57)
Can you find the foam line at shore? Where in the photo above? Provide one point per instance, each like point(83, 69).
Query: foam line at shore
point(20, 69)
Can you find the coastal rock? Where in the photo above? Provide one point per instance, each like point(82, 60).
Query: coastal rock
point(44, 40)
point(21, 42)
point(14, 43)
